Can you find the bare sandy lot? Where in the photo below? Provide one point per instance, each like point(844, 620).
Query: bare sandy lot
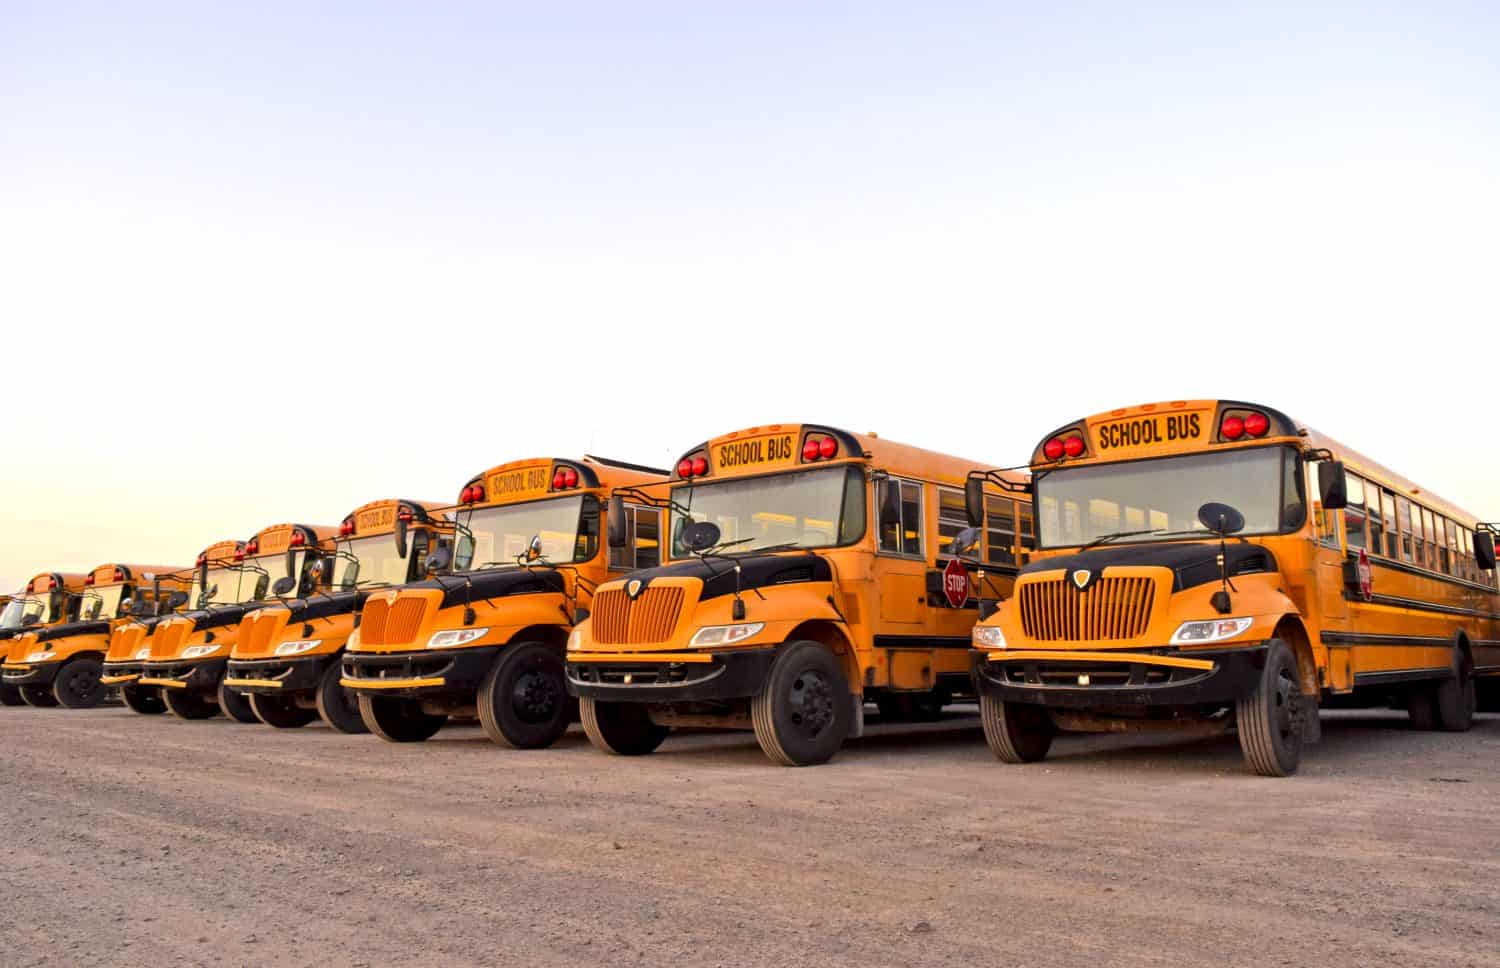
point(135, 839)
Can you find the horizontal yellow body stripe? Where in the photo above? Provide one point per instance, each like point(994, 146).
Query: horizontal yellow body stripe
point(388, 683)
point(270, 683)
point(170, 683)
point(116, 680)
point(13, 667)
point(1002, 655)
point(639, 657)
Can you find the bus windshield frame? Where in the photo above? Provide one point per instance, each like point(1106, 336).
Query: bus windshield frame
point(100, 603)
point(1189, 480)
point(15, 611)
point(376, 554)
point(240, 583)
point(514, 525)
point(846, 522)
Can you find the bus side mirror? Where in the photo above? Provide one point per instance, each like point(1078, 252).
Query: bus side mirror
point(58, 603)
point(974, 501)
point(616, 525)
point(1484, 550)
point(283, 585)
point(176, 600)
point(291, 564)
point(203, 574)
point(965, 541)
point(439, 559)
point(400, 534)
point(1331, 489)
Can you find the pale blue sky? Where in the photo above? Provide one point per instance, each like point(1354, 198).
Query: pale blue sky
point(390, 246)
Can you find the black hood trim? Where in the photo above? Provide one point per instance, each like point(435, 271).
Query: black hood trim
point(222, 615)
point(756, 571)
point(71, 628)
point(325, 606)
point(495, 583)
point(1193, 563)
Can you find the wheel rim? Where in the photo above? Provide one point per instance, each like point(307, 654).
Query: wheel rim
point(535, 696)
point(1286, 712)
point(810, 702)
point(77, 686)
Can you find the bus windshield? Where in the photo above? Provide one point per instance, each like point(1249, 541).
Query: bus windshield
point(24, 611)
point(568, 527)
point(377, 564)
point(100, 603)
point(1161, 497)
point(245, 583)
point(807, 509)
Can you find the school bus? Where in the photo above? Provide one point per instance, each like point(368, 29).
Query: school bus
point(159, 594)
point(189, 652)
point(809, 570)
point(287, 657)
point(1206, 565)
point(485, 633)
point(48, 601)
point(12, 612)
point(67, 659)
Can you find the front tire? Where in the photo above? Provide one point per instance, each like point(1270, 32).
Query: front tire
point(77, 685)
point(620, 728)
point(236, 705)
point(282, 712)
point(1269, 718)
point(11, 696)
point(523, 702)
point(801, 715)
point(188, 705)
point(39, 696)
point(337, 706)
point(1016, 732)
point(145, 700)
point(399, 720)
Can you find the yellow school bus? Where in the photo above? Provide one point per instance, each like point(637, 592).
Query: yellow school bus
point(287, 657)
point(160, 593)
point(49, 600)
point(1205, 565)
point(12, 612)
point(67, 659)
point(190, 652)
point(807, 572)
point(484, 634)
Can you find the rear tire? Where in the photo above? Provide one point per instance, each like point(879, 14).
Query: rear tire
point(145, 700)
point(77, 685)
point(39, 696)
point(801, 715)
point(523, 702)
point(620, 728)
point(399, 720)
point(281, 712)
point(1269, 718)
point(1455, 698)
point(337, 706)
point(188, 705)
point(1016, 732)
point(11, 696)
point(236, 705)
point(1421, 706)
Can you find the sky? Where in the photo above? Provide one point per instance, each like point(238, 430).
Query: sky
point(264, 265)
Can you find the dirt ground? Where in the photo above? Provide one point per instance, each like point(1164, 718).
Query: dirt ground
point(135, 839)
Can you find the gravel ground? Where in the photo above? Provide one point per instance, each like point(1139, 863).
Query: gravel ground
point(138, 839)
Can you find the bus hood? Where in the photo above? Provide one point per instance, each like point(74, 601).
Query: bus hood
point(1191, 563)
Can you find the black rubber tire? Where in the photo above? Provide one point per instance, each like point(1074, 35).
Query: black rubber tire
point(620, 728)
point(188, 705)
point(911, 707)
point(281, 712)
point(145, 700)
point(1487, 694)
point(236, 705)
point(1269, 718)
point(337, 706)
point(801, 715)
point(77, 685)
point(523, 702)
point(1017, 732)
point(399, 720)
point(11, 696)
point(1455, 699)
point(1421, 706)
point(39, 696)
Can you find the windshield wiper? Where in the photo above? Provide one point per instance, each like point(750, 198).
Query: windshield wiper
point(1161, 532)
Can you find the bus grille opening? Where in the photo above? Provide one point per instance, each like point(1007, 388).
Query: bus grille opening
point(650, 618)
point(1055, 610)
point(382, 623)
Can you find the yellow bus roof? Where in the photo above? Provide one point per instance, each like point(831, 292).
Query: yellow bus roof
point(276, 538)
point(67, 580)
point(105, 573)
point(532, 478)
point(379, 517)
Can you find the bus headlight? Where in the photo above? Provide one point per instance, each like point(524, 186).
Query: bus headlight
point(352, 642)
point(575, 640)
point(1196, 633)
point(448, 638)
point(40, 656)
point(988, 637)
point(199, 651)
point(711, 635)
point(144, 653)
point(298, 646)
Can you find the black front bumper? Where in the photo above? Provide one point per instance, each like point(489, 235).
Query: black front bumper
point(39, 674)
point(123, 669)
point(459, 671)
point(731, 675)
point(1121, 682)
point(294, 674)
point(196, 675)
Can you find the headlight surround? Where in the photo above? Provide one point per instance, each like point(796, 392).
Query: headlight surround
point(352, 642)
point(41, 656)
point(448, 638)
point(1213, 630)
point(988, 637)
point(298, 646)
point(199, 651)
point(575, 640)
point(144, 653)
point(713, 635)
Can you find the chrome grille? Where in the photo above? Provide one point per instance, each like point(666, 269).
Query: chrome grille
point(1112, 609)
point(647, 620)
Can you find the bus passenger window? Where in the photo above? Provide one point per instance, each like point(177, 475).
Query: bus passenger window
point(1377, 523)
point(1429, 529)
point(1028, 529)
point(900, 517)
point(1450, 546)
point(1403, 523)
point(1354, 512)
point(1392, 535)
point(951, 520)
point(642, 540)
point(1000, 530)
